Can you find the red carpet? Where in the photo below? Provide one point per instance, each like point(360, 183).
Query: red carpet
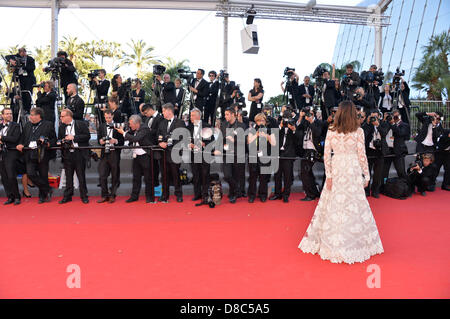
point(243, 250)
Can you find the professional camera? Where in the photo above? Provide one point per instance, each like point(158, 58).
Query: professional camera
point(319, 71)
point(370, 76)
point(356, 95)
point(40, 85)
point(377, 144)
point(312, 155)
point(222, 75)
point(397, 76)
point(66, 144)
point(417, 162)
point(389, 116)
point(159, 69)
point(129, 83)
point(373, 119)
point(55, 64)
point(42, 141)
point(108, 145)
point(288, 71)
point(186, 74)
point(93, 73)
point(346, 80)
point(287, 118)
point(166, 138)
point(17, 59)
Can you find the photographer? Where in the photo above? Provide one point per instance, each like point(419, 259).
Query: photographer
point(67, 72)
point(443, 158)
point(311, 131)
point(402, 96)
point(179, 93)
point(101, 85)
point(350, 81)
point(428, 133)
point(168, 90)
point(122, 92)
point(110, 157)
point(385, 102)
point(200, 88)
point(293, 94)
point(260, 140)
point(255, 96)
point(138, 135)
point(287, 143)
point(422, 174)
point(46, 101)
point(371, 81)
point(376, 148)
point(167, 142)
point(74, 102)
point(38, 135)
point(213, 90)
point(226, 95)
point(23, 66)
point(234, 155)
point(71, 134)
point(398, 133)
point(138, 96)
point(359, 100)
point(330, 95)
point(9, 138)
point(306, 92)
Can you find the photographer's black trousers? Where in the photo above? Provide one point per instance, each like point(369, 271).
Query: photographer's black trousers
point(399, 164)
point(38, 174)
point(376, 163)
point(284, 174)
point(142, 167)
point(8, 174)
point(443, 159)
point(172, 176)
point(254, 171)
point(308, 178)
point(232, 173)
point(200, 179)
point(75, 162)
point(109, 164)
point(423, 183)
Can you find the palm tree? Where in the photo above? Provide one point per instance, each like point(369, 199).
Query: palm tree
point(432, 75)
point(140, 57)
point(75, 50)
point(172, 66)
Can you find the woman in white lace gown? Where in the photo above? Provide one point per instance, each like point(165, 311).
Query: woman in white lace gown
point(343, 228)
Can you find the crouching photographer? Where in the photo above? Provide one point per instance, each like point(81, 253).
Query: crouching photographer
point(422, 174)
point(398, 133)
point(38, 135)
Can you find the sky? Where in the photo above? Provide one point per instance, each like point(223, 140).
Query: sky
point(193, 35)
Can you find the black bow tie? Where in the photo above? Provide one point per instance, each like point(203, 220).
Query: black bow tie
point(6, 125)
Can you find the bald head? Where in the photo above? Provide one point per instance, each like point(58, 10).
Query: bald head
point(71, 89)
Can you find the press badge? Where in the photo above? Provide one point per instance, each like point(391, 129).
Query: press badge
point(134, 155)
point(226, 147)
point(33, 144)
point(260, 154)
point(258, 105)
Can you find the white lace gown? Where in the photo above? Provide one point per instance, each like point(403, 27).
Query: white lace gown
point(343, 228)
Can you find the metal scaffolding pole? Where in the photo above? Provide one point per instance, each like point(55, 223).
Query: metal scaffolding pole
point(55, 13)
point(225, 43)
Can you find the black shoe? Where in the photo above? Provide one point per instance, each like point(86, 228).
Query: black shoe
point(49, 196)
point(446, 188)
point(25, 195)
point(251, 199)
point(232, 199)
point(85, 201)
point(180, 199)
point(196, 198)
point(9, 201)
point(150, 200)
point(423, 193)
point(65, 200)
point(163, 200)
point(285, 199)
point(131, 199)
point(244, 194)
point(203, 202)
point(307, 199)
point(375, 195)
point(275, 197)
point(263, 199)
point(103, 200)
point(17, 201)
point(112, 199)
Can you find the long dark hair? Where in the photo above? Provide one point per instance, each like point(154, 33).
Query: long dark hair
point(115, 85)
point(260, 85)
point(346, 118)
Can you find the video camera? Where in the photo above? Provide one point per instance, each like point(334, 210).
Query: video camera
point(186, 74)
point(370, 76)
point(55, 64)
point(397, 76)
point(288, 72)
point(65, 144)
point(94, 73)
point(17, 59)
point(318, 72)
point(159, 69)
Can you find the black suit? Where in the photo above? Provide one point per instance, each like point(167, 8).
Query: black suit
point(301, 91)
point(287, 144)
point(46, 101)
point(27, 79)
point(203, 91)
point(330, 95)
point(210, 107)
point(257, 166)
point(425, 180)
point(109, 162)
point(375, 157)
point(179, 100)
point(313, 131)
point(172, 167)
point(442, 157)
point(74, 160)
point(234, 158)
point(437, 131)
point(76, 105)
point(37, 169)
point(138, 99)
point(200, 168)
point(153, 124)
point(168, 92)
point(68, 75)
point(102, 89)
point(141, 163)
point(350, 88)
point(9, 158)
point(401, 133)
point(225, 99)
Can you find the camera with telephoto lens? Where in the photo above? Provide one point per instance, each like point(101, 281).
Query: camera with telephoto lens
point(108, 145)
point(166, 138)
point(318, 72)
point(42, 141)
point(397, 76)
point(93, 73)
point(159, 69)
point(40, 85)
point(370, 76)
point(288, 71)
point(357, 95)
point(377, 144)
point(346, 79)
point(287, 118)
point(417, 162)
point(186, 74)
point(389, 116)
point(19, 61)
point(66, 144)
point(373, 119)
